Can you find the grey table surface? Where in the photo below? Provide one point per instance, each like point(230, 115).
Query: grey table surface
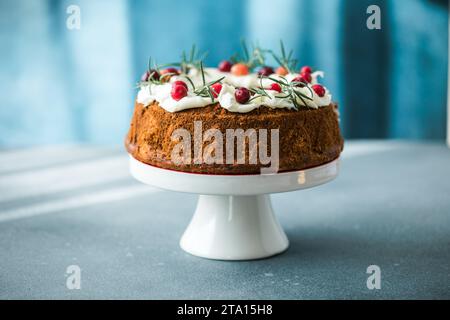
point(77, 205)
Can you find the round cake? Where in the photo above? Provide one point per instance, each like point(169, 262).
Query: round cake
point(243, 117)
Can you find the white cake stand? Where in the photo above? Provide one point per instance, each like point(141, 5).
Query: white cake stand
point(234, 219)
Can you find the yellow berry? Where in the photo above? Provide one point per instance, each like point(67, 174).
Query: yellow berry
point(239, 69)
point(281, 71)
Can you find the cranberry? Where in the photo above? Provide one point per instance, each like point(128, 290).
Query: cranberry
point(216, 88)
point(320, 90)
point(242, 95)
point(300, 79)
point(170, 70)
point(180, 83)
point(275, 87)
point(178, 92)
point(307, 76)
point(150, 74)
point(266, 71)
point(225, 66)
point(306, 69)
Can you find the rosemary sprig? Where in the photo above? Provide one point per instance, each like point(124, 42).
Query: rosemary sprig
point(152, 69)
point(190, 82)
point(285, 60)
point(152, 80)
point(253, 58)
point(190, 61)
point(203, 73)
point(205, 90)
point(194, 60)
point(258, 92)
point(149, 66)
point(290, 91)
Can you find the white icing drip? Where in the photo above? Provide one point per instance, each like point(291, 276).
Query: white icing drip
point(228, 101)
point(161, 93)
point(315, 76)
point(316, 101)
point(226, 98)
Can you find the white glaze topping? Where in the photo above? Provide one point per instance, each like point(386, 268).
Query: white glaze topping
point(162, 92)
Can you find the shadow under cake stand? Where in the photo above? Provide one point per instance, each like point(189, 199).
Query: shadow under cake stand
point(234, 219)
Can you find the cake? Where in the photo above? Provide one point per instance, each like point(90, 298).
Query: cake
point(243, 117)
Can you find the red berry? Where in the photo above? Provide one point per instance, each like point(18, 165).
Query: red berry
point(180, 83)
point(215, 89)
point(170, 70)
point(275, 87)
point(242, 95)
point(225, 66)
point(178, 92)
point(307, 76)
point(306, 69)
point(300, 79)
point(265, 71)
point(320, 90)
point(150, 74)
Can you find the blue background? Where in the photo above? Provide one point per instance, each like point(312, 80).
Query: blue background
point(69, 86)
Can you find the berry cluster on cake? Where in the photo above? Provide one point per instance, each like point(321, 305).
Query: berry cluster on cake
point(242, 93)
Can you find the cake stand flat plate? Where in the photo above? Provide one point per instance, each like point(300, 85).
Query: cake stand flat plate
point(240, 185)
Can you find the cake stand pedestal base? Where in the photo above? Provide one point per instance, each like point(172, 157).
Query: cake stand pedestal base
point(234, 218)
point(234, 228)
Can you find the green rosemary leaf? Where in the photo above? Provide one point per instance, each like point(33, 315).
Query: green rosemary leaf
point(167, 75)
point(290, 55)
point(296, 105)
point(283, 97)
point(277, 59)
point(310, 91)
point(173, 64)
point(234, 58)
point(149, 63)
point(283, 52)
point(254, 98)
point(203, 73)
point(192, 56)
point(259, 92)
point(278, 81)
point(210, 94)
point(304, 102)
point(284, 79)
point(292, 65)
point(263, 91)
point(190, 81)
point(214, 82)
point(203, 56)
point(245, 50)
point(301, 95)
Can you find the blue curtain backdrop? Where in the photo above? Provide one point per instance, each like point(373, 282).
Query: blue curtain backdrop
point(59, 85)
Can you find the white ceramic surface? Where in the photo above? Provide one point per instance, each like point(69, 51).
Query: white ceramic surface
point(234, 218)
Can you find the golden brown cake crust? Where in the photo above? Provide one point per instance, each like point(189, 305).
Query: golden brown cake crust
point(307, 137)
